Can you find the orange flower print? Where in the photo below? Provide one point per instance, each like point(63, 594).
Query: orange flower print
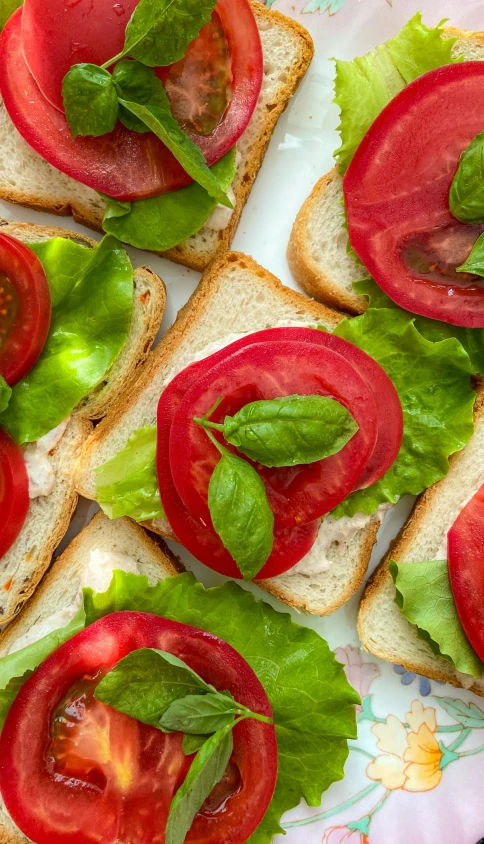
point(343, 835)
point(411, 755)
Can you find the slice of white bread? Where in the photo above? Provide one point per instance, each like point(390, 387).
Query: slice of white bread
point(27, 179)
point(383, 629)
point(236, 295)
point(61, 585)
point(317, 251)
point(48, 518)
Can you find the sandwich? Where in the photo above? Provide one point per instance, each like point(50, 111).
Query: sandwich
point(176, 184)
point(422, 606)
point(218, 443)
point(327, 263)
point(154, 709)
point(77, 323)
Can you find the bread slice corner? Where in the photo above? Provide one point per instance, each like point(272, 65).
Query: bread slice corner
point(28, 179)
point(383, 629)
point(236, 295)
point(317, 250)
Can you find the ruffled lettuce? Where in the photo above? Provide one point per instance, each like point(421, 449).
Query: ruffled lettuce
point(366, 85)
point(424, 595)
point(127, 485)
point(433, 383)
point(161, 222)
point(472, 339)
point(92, 303)
point(7, 8)
point(312, 701)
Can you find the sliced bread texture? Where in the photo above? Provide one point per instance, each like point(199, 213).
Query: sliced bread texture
point(61, 586)
point(383, 629)
point(317, 251)
point(48, 518)
point(27, 179)
point(235, 296)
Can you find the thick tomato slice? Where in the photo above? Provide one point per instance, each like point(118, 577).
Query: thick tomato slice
point(465, 542)
point(74, 771)
point(25, 309)
point(290, 545)
point(14, 491)
point(124, 164)
point(297, 495)
point(396, 193)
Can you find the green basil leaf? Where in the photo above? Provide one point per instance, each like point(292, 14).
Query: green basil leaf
point(127, 485)
point(424, 595)
point(161, 222)
point(165, 127)
point(206, 770)
point(475, 261)
point(92, 304)
point(160, 31)
point(240, 513)
point(291, 430)
point(146, 682)
point(90, 100)
point(196, 714)
point(137, 83)
point(466, 197)
point(190, 744)
point(5, 393)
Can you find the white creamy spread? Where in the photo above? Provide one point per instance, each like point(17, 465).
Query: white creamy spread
point(221, 215)
point(97, 574)
point(38, 462)
point(333, 538)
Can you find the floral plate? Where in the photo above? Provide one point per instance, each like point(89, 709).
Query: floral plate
point(414, 775)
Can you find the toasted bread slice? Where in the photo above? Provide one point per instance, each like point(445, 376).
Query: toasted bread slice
point(61, 585)
point(48, 518)
point(236, 295)
point(27, 179)
point(383, 629)
point(317, 251)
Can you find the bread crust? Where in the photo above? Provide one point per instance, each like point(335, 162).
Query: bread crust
point(381, 577)
point(188, 253)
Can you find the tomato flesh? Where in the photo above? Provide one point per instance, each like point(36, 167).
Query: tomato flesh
point(74, 771)
point(14, 491)
point(25, 309)
point(290, 546)
point(396, 193)
point(466, 569)
point(299, 494)
point(124, 164)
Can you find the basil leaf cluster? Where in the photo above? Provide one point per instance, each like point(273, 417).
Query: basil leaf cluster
point(94, 98)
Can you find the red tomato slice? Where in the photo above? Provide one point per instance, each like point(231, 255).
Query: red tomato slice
point(397, 196)
point(124, 164)
point(465, 542)
point(297, 495)
point(74, 771)
point(14, 492)
point(25, 309)
point(290, 546)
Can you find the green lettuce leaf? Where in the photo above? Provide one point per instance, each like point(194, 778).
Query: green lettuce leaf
point(312, 701)
point(433, 382)
point(5, 393)
point(127, 485)
point(424, 595)
point(7, 8)
point(366, 85)
point(92, 302)
point(472, 339)
point(161, 222)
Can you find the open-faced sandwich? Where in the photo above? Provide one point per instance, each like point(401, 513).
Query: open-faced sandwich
point(76, 322)
point(260, 414)
point(136, 706)
point(146, 119)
